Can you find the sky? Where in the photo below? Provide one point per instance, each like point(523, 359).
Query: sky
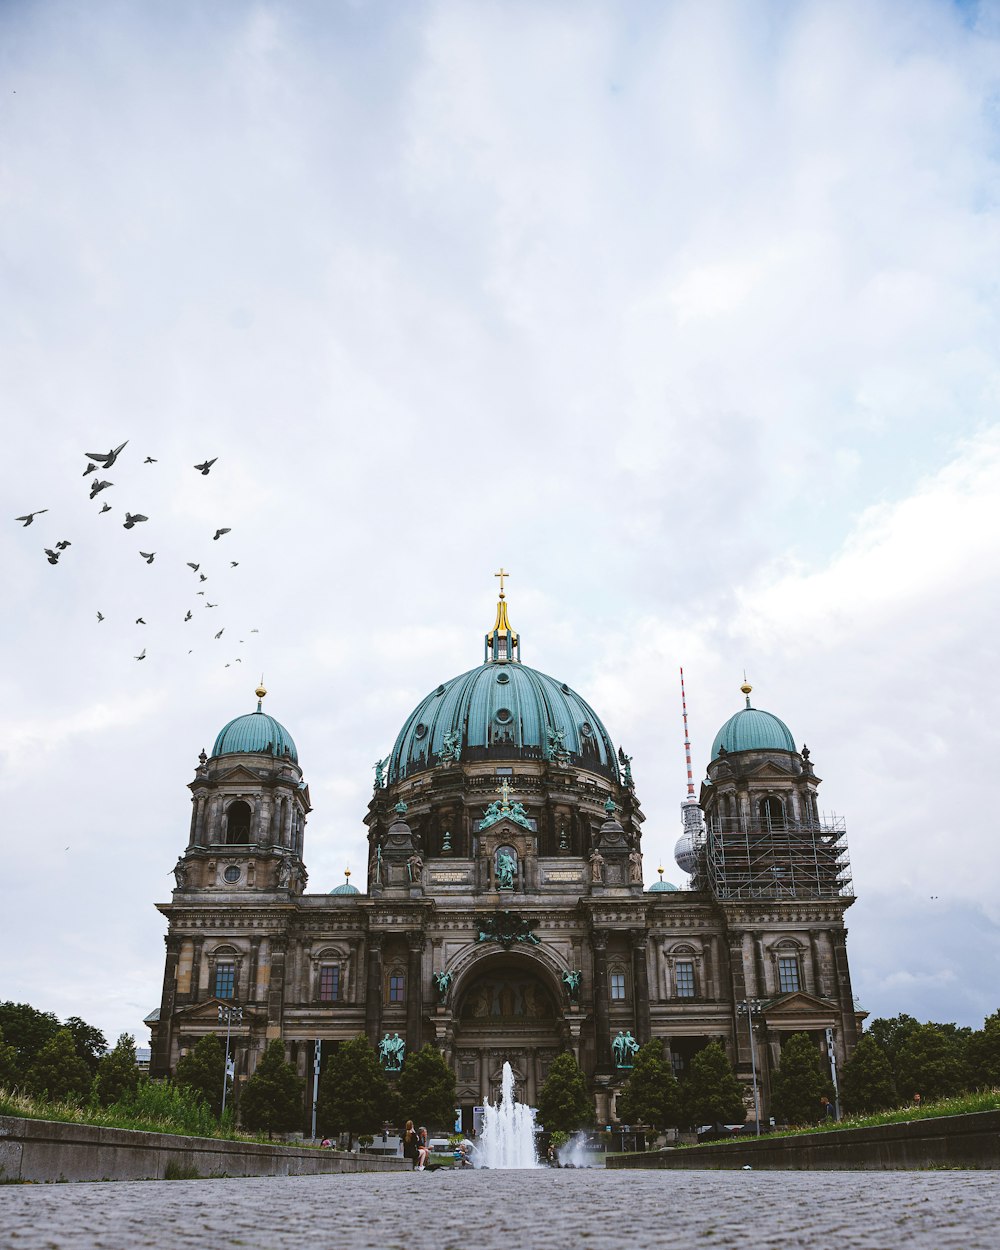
point(686, 314)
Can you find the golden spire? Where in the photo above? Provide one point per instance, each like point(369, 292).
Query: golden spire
point(260, 692)
point(502, 574)
point(502, 626)
point(746, 687)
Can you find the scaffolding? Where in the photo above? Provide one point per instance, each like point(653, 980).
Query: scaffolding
point(764, 860)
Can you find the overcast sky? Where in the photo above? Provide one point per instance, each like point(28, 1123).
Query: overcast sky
point(686, 314)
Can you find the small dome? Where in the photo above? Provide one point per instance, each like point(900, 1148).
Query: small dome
point(753, 730)
point(662, 887)
point(345, 886)
point(255, 733)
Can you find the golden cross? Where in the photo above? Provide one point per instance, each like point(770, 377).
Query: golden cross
point(502, 574)
point(504, 791)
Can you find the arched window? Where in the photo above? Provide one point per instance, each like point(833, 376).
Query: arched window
point(616, 983)
point(238, 816)
point(395, 984)
point(772, 812)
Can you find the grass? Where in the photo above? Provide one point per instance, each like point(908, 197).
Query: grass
point(963, 1104)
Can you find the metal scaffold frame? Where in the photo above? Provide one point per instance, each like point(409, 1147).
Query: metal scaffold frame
point(754, 859)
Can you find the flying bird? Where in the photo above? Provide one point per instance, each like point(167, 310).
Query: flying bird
point(204, 468)
point(238, 660)
point(108, 458)
point(188, 617)
point(96, 487)
point(106, 508)
point(210, 605)
point(227, 666)
point(52, 555)
point(255, 631)
point(150, 460)
point(100, 616)
point(221, 632)
point(139, 621)
point(148, 556)
point(30, 517)
point(218, 534)
point(199, 592)
point(91, 468)
point(133, 519)
point(202, 577)
point(196, 567)
point(61, 546)
point(142, 654)
point(234, 564)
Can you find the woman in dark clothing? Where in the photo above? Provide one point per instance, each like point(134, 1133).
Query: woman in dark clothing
point(411, 1144)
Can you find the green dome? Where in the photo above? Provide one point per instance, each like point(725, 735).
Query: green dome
point(255, 733)
point(662, 887)
point(753, 730)
point(502, 711)
point(345, 887)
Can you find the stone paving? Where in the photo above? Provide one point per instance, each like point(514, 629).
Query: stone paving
point(544, 1209)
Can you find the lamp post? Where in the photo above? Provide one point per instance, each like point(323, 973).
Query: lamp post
point(751, 1007)
point(231, 1016)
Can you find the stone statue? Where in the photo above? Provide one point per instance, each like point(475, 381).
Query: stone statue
point(626, 763)
point(377, 876)
point(391, 1051)
point(415, 867)
point(518, 813)
point(284, 874)
point(442, 982)
point(556, 744)
point(634, 868)
point(624, 1047)
point(180, 871)
point(451, 745)
point(379, 767)
point(571, 980)
point(596, 866)
point(506, 867)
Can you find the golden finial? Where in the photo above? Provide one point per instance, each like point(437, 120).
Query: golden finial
point(502, 574)
point(746, 687)
point(660, 870)
point(260, 692)
point(347, 874)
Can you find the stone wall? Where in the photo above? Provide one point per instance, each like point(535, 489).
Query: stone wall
point(43, 1150)
point(954, 1141)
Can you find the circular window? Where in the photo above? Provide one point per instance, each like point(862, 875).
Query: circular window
point(421, 730)
point(232, 873)
point(503, 715)
point(503, 678)
point(586, 730)
point(566, 689)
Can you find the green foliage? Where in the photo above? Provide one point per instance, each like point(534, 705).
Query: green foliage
point(564, 1101)
point(166, 1107)
point(651, 1094)
point(272, 1100)
point(8, 1065)
point(58, 1072)
point(427, 1090)
point(353, 1091)
point(711, 1092)
point(867, 1083)
point(799, 1082)
point(201, 1070)
point(932, 1062)
point(891, 1035)
point(984, 1054)
point(117, 1073)
point(90, 1043)
point(27, 1030)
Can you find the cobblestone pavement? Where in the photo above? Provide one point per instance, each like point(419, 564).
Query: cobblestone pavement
point(585, 1210)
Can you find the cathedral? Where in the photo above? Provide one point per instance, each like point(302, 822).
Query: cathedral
point(504, 914)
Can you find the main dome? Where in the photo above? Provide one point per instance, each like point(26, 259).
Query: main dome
point(502, 711)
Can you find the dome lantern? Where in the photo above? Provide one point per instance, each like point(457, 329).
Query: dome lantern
point(502, 643)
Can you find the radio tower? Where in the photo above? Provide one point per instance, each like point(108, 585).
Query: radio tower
point(687, 852)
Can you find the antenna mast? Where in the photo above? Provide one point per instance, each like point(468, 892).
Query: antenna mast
point(687, 739)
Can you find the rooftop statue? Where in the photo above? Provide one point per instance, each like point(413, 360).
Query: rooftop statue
point(451, 746)
point(571, 979)
point(391, 1051)
point(442, 983)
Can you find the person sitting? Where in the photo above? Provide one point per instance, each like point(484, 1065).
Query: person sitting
point(424, 1151)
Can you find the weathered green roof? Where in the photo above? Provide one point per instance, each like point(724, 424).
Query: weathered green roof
point(753, 730)
point(254, 733)
point(345, 887)
point(662, 887)
point(502, 711)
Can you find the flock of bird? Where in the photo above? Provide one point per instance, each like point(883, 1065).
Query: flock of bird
point(98, 462)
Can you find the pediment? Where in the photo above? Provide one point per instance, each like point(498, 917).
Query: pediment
point(239, 773)
point(770, 768)
point(798, 1004)
point(207, 1011)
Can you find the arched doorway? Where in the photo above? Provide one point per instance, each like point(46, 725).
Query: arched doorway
point(506, 1009)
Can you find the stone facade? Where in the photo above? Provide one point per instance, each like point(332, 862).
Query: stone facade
point(505, 916)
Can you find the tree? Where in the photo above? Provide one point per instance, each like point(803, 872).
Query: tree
point(984, 1054)
point(201, 1070)
point(651, 1094)
point(799, 1082)
point(353, 1091)
point(27, 1030)
point(272, 1099)
point(867, 1083)
point(117, 1072)
point(90, 1043)
point(564, 1101)
point(932, 1063)
point(711, 1093)
point(8, 1065)
point(427, 1089)
point(58, 1072)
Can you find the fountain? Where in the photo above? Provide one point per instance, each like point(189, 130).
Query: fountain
point(507, 1139)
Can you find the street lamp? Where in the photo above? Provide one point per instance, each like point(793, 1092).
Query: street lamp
point(229, 1016)
point(751, 1007)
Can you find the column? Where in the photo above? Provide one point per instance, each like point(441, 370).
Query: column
point(713, 985)
point(196, 970)
point(640, 981)
point(602, 1019)
point(414, 992)
point(255, 830)
point(760, 970)
point(373, 989)
point(194, 822)
point(252, 970)
point(276, 984)
point(839, 941)
point(160, 1064)
point(199, 830)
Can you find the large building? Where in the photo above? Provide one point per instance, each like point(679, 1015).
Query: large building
point(505, 915)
